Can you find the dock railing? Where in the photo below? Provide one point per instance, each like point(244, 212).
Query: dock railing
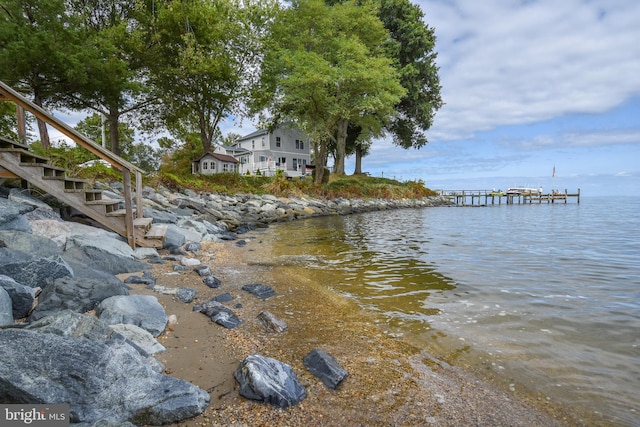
point(492, 197)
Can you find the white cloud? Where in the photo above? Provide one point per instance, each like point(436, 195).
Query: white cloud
point(512, 62)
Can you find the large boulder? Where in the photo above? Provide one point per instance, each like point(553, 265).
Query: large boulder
point(79, 295)
point(23, 297)
point(11, 215)
point(103, 260)
point(6, 309)
point(140, 310)
point(33, 245)
point(269, 381)
point(34, 272)
point(107, 380)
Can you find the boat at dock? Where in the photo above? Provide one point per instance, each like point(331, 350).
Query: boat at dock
point(524, 191)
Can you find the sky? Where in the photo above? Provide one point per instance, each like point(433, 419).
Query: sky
point(529, 86)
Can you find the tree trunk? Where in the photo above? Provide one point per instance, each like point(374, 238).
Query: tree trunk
point(358, 168)
point(341, 145)
point(320, 151)
point(114, 135)
point(42, 126)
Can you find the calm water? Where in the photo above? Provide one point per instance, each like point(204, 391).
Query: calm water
point(543, 299)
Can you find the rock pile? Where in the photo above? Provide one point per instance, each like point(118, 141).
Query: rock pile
point(54, 269)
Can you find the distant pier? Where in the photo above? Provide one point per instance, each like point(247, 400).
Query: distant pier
point(493, 197)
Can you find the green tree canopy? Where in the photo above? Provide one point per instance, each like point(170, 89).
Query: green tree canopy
point(327, 68)
point(207, 55)
point(37, 55)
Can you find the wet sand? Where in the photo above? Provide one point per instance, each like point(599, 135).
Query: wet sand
point(390, 382)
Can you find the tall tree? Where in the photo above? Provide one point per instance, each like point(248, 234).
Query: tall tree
point(412, 47)
point(114, 58)
point(328, 68)
point(414, 56)
point(37, 39)
point(207, 55)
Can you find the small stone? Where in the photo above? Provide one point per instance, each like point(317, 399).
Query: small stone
point(272, 323)
point(202, 270)
point(259, 290)
point(190, 262)
point(212, 282)
point(325, 367)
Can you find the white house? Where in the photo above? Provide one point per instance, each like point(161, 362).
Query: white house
point(285, 148)
point(216, 162)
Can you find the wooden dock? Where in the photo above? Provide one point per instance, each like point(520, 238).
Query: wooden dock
point(492, 197)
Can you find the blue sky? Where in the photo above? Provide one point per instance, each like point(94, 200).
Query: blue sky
point(527, 85)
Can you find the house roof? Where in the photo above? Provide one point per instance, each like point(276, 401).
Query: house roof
point(235, 150)
point(221, 157)
point(254, 134)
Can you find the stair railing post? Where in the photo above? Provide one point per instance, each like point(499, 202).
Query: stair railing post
point(139, 195)
point(128, 202)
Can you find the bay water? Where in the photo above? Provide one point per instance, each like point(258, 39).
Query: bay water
point(540, 299)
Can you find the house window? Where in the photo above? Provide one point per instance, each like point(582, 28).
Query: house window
point(226, 167)
point(205, 165)
point(302, 145)
point(297, 144)
point(295, 164)
point(282, 162)
point(278, 142)
point(263, 141)
point(263, 158)
point(253, 144)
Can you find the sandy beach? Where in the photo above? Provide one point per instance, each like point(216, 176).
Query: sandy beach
point(389, 383)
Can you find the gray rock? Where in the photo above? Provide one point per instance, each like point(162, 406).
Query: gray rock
point(78, 295)
point(67, 323)
point(103, 261)
point(140, 310)
point(173, 237)
point(270, 381)
point(202, 270)
point(186, 295)
point(259, 290)
point(325, 367)
point(140, 337)
point(22, 297)
point(35, 246)
point(192, 247)
point(271, 322)
point(218, 313)
point(212, 282)
point(6, 308)
point(226, 297)
point(23, 196)
point(36, 272)
point(10, 210)
point(159, 217)
point(107, 380)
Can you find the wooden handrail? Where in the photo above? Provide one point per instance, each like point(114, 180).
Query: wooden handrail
point(7, 93)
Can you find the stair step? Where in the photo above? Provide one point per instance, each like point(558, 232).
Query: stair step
point(92, 195)
point(157, 231)
point(71, 185)
point(118, 212)
point(7, 143)
point(144, 223)
point(53, 171)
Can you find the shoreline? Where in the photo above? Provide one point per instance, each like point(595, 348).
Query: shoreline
point(390, 382)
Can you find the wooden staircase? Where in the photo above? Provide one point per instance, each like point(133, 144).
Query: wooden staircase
point(17, 161)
